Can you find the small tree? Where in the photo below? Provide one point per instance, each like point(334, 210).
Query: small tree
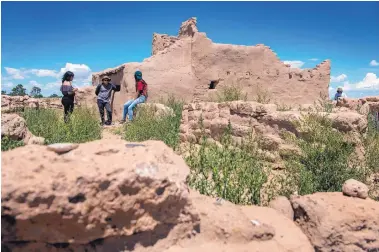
point(54, 96)
point(18, 90)
point(3, 92)
point(36, 92)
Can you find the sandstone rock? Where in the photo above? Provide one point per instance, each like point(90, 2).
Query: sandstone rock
point(60, 148)
point(355, 188)
point(363, 105)
point(103, 197)
point(288, 150)
point(334, 222)
point(36, 140)
point(100, 190)
point(16, 103)
point(86, 96)
point(225, 227)
point(349, 121)
point(162, 42)
point(158, 109)
point(188, 28)
point(270, 142)
point(288, 237)
point(13, 126)
point(283, 206)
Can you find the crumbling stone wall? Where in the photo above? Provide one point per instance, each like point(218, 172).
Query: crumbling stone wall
point(185, 66)
point(161, 42)
point(15, 103)
point(264, 122)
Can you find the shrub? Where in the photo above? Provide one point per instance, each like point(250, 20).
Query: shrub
point(231, 93)
point(324, 104)
point(263, 95)
point(283, 107)
point(371, 143)
point(148, 127)
point(83, 125)
point(327, 159)
point(232, 173)
point(9, 144)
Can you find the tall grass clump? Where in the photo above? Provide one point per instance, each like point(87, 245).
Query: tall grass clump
point(324, 104)
point(83, 125)
point(371, 143)
point(233, 173)
point(327, 160)
point(9, 144)
point(231, 93)
point(147, 126)
point(262, 95)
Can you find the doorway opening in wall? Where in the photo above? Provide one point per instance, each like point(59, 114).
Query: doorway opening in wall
point(213, 84)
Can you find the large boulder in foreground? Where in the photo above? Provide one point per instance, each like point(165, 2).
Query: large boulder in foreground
point(230, 228)
point(334, 222)
point(118, 196)
point(100, 190)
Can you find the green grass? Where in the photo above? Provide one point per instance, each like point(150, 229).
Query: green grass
point(230, 93)
point(83, 125)
point(283, 107)
point(9, 144)
point(232, 173)
point(371, 143)
point(262, 95)
point(148, 127)
point(326, 162)
point(235, 173)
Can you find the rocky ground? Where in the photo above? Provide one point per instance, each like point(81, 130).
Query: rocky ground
point(110, 195)
point(113, 195)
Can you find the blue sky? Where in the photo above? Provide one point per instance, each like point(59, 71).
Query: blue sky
point(41, 40)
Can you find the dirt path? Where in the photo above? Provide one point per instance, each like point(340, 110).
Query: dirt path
point(110, 132)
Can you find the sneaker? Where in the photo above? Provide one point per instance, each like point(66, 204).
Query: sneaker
point(108, 123)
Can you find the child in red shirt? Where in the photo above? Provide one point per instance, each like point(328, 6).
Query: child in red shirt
point(141, 96)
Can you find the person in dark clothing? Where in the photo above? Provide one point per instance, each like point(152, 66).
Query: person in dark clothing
point(104, 92)
point(68, 92)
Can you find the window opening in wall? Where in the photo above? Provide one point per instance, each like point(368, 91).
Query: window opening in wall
point(212, 85)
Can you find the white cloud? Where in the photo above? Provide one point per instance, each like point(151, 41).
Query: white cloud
point(14, 73)
point(44, 73)
point(20, 74)
point(81, 71)
point(294, 63)
point(88, 81)
point(34, 83)
point(83, 75)
point(8, 84)
point(370, 81)
point(374, 63)
point(313, 59)
point(53, 85)
point(339, 78)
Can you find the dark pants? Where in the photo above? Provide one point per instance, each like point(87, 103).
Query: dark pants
point(68, 105)
point(107, 106)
